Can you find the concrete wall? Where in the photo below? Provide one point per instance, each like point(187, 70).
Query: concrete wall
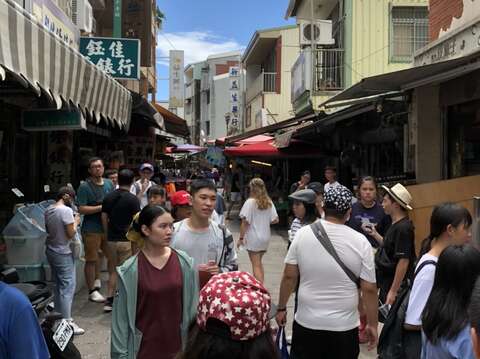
point(278, 105)
point(426, 133)
point(221, 103)
point(256, 108)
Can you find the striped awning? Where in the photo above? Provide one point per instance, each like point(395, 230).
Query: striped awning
point(46, 63)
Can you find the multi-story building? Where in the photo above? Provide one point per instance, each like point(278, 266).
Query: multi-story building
point(267, 62)
point(214, 97)
point(138, 22)
point(193, 77)
point(352, 40)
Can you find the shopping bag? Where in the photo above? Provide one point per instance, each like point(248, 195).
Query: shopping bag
point(281, 343)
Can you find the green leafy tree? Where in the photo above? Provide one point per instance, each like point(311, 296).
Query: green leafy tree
point(159, 18)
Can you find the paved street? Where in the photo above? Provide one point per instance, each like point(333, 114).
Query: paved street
point(95, 344)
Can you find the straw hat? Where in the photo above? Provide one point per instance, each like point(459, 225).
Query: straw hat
point(400, 194)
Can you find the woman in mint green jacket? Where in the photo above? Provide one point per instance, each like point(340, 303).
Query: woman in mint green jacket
point(157, 294)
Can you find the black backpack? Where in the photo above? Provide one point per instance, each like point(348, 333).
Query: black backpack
point(391, 343)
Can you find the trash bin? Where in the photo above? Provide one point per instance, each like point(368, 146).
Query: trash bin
point(25, 236)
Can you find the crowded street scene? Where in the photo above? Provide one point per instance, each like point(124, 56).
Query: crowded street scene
point(268, 179)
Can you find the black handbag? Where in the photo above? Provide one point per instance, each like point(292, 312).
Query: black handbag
point(391, 344)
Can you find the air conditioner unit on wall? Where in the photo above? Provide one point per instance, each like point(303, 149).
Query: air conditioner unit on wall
point(82, 15)
point(322, 33)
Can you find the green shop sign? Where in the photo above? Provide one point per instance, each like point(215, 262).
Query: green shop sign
point(120, 58)
point(52, 120)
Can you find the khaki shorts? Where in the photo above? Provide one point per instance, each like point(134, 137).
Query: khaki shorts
point(119, 252)
point(93, 242)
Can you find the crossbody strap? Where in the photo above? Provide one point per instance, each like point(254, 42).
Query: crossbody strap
point(423, 264)
point(322, 237)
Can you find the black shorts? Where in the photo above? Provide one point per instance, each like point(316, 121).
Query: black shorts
point(324, 344)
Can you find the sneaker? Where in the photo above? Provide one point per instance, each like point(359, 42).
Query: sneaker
point(289, 340)
point(96, 297)
point(76, 329)
point(108, 306)
point(97, 284)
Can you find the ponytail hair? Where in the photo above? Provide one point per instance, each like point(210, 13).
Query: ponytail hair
point(443, 215)
point(426, 245)
point(147, 216)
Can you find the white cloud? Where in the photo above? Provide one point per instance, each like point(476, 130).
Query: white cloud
point(197, 45)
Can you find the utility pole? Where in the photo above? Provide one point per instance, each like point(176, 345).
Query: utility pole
point(312, 44)
point(117, 18)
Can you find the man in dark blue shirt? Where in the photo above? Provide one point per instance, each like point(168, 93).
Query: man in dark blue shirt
point(20, 334)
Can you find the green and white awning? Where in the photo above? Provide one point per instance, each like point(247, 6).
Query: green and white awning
point(46, 63)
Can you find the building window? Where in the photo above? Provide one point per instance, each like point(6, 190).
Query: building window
point(248, 121)
point(409, 32)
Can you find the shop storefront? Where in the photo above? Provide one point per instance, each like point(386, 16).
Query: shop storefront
point(50, 97)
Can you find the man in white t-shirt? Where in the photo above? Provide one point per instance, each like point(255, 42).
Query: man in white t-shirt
point(327, 319)
point(331, 177)
point(141, 187)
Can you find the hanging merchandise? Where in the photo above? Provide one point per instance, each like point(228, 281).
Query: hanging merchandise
point(215, 156)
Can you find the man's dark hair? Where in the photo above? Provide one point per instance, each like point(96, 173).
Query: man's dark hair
point(63, 191)
point(335, 213)
point(306, 173)
point(94, 159)
point(331, 168)
point(391, 198)
point(199, 184)
point(155, 191)
point(125, 177)
point(109, 173)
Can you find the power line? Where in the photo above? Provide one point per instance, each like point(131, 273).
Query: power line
point(168, 40)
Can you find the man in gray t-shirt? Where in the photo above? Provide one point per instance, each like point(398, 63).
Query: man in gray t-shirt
point(61, 226)
point(57, 217)
point(209, 244)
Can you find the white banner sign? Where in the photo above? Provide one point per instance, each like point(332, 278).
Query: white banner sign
point(176, 99)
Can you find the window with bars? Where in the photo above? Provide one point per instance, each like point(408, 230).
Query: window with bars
point(409, 32)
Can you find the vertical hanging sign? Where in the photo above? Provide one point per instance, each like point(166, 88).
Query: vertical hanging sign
point(176, 87)
point(233, 127)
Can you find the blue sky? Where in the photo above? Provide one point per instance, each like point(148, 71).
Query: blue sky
point(205, 27)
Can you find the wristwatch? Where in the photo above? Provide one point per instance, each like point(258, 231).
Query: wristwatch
point(284, 309)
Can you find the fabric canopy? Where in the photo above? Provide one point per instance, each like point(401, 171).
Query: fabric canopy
point(45, 63)
point(268, 149)
point(254, 139)
point(409, 78)
point(257, 149)
point(173, 124)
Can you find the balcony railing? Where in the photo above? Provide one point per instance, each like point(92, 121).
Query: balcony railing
point(329, 70)
point(264, 83)
point(269, 81)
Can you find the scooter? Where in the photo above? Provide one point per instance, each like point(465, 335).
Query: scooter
point(57, 332)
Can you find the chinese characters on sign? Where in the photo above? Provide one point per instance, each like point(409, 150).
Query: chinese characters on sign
point(232, 118)
point(51, 16)
point(176, 79)
point(120, 58)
